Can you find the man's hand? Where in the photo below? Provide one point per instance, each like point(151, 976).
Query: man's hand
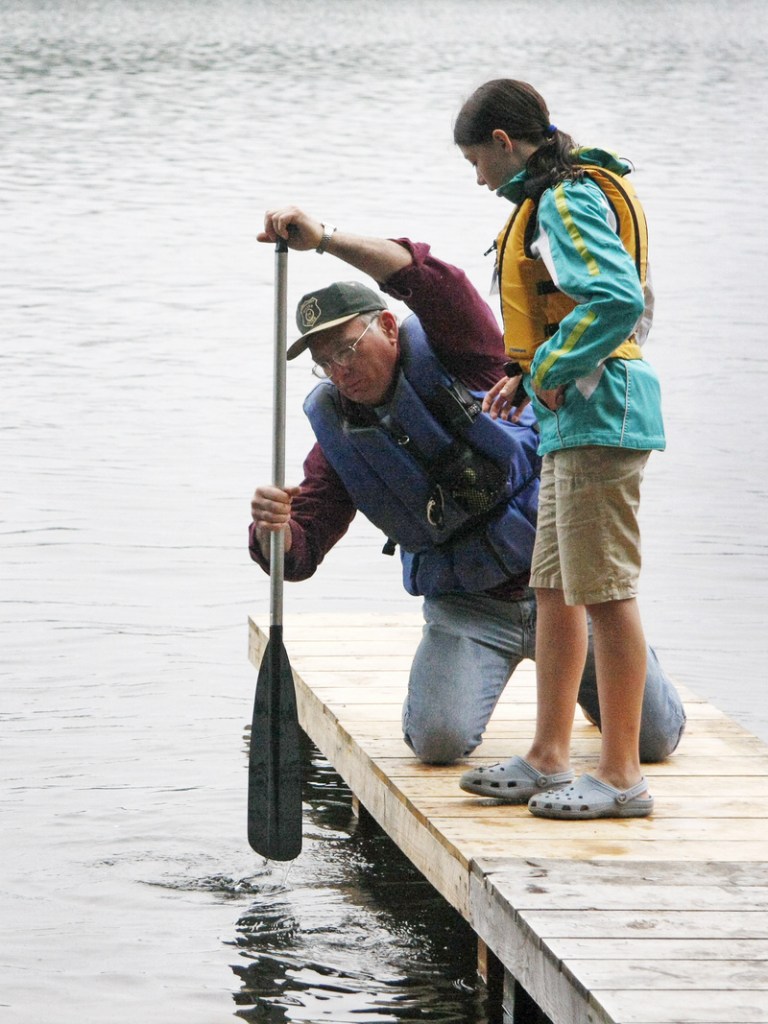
point(379, 258)
point(299, 230)
point(271, 512)
point(499, 399)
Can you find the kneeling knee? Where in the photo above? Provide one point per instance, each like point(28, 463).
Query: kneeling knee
point(439, 746)
point(656, 747)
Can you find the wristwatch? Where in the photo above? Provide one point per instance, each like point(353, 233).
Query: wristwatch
point(514, 370)
point(328, 232)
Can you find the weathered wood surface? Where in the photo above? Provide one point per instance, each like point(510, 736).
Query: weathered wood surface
point(647, 921)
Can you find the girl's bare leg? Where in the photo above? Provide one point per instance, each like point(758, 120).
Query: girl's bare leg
point(620, 661)
point(561, 651)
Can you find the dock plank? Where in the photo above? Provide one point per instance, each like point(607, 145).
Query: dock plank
point(708, 1006)
point(651, 921)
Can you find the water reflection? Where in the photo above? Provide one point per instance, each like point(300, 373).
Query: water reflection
point(353, 933)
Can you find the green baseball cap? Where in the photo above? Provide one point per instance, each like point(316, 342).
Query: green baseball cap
point(331, 306)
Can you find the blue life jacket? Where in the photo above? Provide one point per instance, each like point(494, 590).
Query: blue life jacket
point(454, 488)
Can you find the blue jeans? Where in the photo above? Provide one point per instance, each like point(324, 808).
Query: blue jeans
point(471, 645)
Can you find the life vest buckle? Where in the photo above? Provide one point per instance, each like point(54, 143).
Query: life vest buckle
point(436, 508)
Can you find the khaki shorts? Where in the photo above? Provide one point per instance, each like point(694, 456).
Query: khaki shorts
point(587, 536)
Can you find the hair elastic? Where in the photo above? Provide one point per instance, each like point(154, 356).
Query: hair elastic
point(551, 130)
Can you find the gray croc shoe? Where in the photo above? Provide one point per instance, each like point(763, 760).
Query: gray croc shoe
point(589, 797)
point(514, 781)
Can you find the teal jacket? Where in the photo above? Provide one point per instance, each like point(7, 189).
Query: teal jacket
point(610, 402)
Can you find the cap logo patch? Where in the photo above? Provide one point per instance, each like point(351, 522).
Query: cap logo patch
point(309, 312)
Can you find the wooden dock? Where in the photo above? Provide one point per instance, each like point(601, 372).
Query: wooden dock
point(646, 921)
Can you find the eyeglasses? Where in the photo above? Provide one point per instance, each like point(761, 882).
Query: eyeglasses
point(343, 357)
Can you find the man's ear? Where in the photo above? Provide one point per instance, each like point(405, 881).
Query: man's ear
point(388, 324)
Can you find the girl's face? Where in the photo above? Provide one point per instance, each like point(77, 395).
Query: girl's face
point(496, 161)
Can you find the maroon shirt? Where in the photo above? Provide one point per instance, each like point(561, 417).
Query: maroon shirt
point(465, 337)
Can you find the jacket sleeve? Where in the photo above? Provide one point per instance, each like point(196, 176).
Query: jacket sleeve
point(320, 516)
point(587, 261)
point(459, 323)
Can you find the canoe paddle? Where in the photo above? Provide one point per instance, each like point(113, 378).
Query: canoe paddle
point(274, 766)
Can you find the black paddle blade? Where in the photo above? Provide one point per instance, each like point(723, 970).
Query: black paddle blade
point(274, 767)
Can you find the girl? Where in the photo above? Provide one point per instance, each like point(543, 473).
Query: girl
point(576, 305)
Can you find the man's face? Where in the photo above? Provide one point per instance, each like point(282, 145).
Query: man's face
point(369, 374)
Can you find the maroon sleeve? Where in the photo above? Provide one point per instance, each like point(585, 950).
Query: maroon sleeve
point(459, 323)
point(320, 516)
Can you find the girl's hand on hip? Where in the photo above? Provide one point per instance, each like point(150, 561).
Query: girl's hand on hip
point(552, 398)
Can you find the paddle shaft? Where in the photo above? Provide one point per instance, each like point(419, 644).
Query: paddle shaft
point(277, 540)
point(274, 766)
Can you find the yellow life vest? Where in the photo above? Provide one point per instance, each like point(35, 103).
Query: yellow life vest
point(531, 305)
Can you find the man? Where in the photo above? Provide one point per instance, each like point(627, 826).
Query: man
point(401, 438)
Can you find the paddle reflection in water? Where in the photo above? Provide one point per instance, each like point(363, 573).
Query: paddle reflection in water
point(351, 931)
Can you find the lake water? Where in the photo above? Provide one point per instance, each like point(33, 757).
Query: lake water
point(140, 142)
